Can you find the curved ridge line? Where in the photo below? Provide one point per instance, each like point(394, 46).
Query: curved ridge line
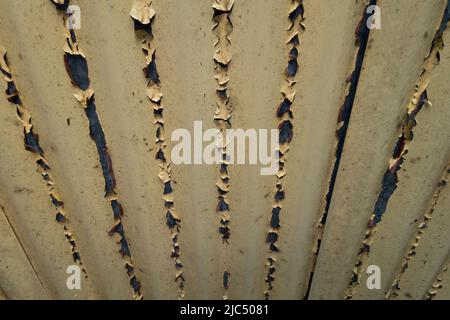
point(362, 36)
point(41, 282)
point(421, 228)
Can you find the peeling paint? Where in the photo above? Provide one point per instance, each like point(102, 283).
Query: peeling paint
point(437, 284)
point(285, 115)
point(143, 16)
point(26, 255)
point(78, 71)
point(61, 4)
point(31, 144)
point(418, 101)
point(238, 218)
point(362, 36)
point(421, 229)
point(222, 28)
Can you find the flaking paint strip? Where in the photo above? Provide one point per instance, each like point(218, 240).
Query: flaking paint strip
point(284, 113)
point(222, 28)
point(31, 144)
point(418, 101)
point(437, 284)
point(61, 4)
point(77, 69)
point(362, 36)
point(421, 228)
point(143, 16)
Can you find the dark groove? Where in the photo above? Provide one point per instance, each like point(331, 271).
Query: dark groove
point(77, 68)
point(98, 136)
point(144, 31)
point(390, 179)
point(78, 71)
point(31, 144)
point(362, 34)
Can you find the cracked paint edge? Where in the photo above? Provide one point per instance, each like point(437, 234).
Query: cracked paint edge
point(143, 16)
point(77, 69)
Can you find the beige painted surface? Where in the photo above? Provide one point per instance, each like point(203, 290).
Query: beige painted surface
point(186, 70)
point(444, 292)
point(432, 253)
point(32, 243)
point(427, 158)
point(114, 54)
point(434, 246)
point(36, 58)
point(17, 275)
point(27, 206)
point(391, 67)
point(320, 95)
point(256, 74)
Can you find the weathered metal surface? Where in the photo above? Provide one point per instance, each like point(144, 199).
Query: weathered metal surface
point(202, 248)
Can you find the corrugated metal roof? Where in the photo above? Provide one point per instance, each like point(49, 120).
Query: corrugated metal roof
point(364, 156)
